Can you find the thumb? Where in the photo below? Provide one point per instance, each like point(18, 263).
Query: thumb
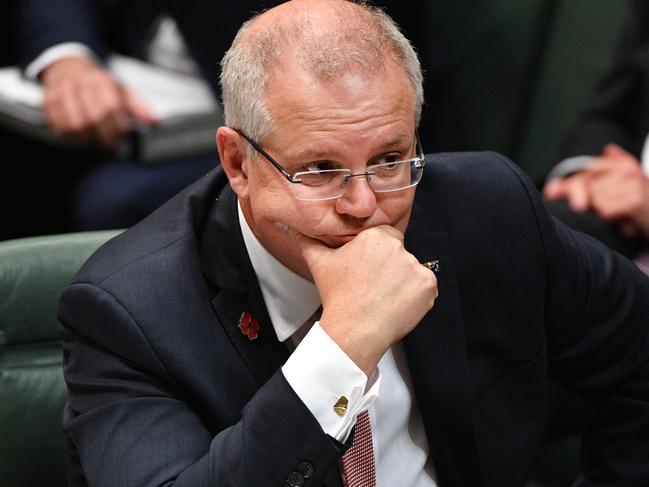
point(138, 108)
point(554, 190)
point(616, 152)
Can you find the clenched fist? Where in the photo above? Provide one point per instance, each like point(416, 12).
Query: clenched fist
point(373, 291)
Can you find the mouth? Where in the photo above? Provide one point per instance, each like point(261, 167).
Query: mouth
point(335, 241)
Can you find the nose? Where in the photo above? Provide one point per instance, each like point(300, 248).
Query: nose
point(358, 200)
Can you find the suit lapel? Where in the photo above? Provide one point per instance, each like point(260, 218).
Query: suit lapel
point(226, 264)
point(436, 355)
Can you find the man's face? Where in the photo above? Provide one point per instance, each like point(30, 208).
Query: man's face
point(351, 122)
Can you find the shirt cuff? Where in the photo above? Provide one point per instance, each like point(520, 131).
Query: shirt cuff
point(56, 53)
point(320, 373)
point(568, 166)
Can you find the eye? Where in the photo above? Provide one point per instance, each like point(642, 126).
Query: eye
point(388, 160)
point(318, 166)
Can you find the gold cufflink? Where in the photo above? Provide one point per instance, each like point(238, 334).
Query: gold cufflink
point(432, 265)
point(341, 406)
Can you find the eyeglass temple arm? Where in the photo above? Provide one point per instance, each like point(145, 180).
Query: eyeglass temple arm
point(420, 149)
point(259, 149)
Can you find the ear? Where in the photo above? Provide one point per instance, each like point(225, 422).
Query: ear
point(232, 153)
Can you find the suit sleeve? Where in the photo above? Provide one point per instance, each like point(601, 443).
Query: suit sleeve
point(597, 328)
point(42, 24)
point(132, 424)
point(616, 111)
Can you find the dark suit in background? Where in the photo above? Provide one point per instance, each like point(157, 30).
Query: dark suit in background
point(103, 25)
point(164, 387)
point(8, 51)
point(617, 112)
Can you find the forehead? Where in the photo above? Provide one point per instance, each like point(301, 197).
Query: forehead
point(352, 106)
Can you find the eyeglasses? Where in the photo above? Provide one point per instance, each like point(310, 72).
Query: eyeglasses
point(329, 184)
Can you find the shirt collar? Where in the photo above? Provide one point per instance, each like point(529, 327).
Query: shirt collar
point(290, 299)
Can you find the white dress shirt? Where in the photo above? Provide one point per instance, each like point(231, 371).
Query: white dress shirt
point(166, 49)
point(320, 373)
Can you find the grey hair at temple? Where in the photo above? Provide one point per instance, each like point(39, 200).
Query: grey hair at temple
point(362, 39)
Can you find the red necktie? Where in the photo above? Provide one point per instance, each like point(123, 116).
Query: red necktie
point(358, 462)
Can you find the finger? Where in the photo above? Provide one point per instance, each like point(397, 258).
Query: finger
point(602, 165)
point(114, 127)
point(308, 246)
point(611, 197)
point(54, 114)
point(109, 134)
point(70, 114)
point(110, 105)
point(105, 109)
point(616, 152)
point(579, 195)
point(138, 108)
point(555, 190)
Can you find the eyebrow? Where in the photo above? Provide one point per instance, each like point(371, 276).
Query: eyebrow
point(316, 154)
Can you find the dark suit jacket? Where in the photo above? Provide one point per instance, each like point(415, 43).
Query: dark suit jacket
point(618, 110)
point(103, 25)
point(164, 387)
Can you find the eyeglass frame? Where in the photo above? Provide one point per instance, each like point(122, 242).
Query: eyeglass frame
point(421, 157)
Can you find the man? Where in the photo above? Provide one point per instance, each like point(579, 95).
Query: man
point(67, 50)
point(605, 166)
point(190, 353)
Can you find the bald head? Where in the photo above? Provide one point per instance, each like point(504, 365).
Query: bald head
point(324, 39)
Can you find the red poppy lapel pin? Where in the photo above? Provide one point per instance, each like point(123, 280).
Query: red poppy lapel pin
point(248, 326)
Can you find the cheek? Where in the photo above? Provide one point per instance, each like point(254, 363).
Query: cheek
point(272, 205)
point(316, 217)
point(397, 207)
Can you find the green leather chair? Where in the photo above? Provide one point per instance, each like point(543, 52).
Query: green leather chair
point(33, 272)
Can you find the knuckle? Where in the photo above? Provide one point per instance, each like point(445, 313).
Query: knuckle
point(109, 108)
point(371, 233)
point(95, 118)
point(97, 76)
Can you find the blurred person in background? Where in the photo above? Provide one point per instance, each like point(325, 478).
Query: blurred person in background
point(601, 186)
point(66, 49)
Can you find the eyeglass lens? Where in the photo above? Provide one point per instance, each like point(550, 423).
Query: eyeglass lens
point(330, 184)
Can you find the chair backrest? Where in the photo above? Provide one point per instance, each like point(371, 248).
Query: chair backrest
point(33, 272)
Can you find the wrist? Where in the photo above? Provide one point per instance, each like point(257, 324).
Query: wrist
point(65, 67)
point(363, 346)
